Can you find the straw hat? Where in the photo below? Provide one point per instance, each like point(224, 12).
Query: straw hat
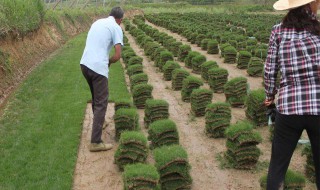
point(289, 4)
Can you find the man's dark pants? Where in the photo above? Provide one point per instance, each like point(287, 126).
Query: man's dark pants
point(288, 130)
point(99, 90)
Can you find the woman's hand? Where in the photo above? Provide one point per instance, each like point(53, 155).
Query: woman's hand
point(268, 102)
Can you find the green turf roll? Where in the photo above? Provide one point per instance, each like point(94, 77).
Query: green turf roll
point(235, 91)
point(155, 110)
point(218, 77)
point(126, 119)
point(200, 98)
point(140, 176)
point(178, 75)
point(188, 84)
point(163, 133)
point(205, 68)
point(168, 68)
point(217, 117)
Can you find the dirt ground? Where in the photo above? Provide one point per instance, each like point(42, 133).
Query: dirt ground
point(97, 171)
point(26, 53)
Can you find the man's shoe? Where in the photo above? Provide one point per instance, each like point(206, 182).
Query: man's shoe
point(96, 147)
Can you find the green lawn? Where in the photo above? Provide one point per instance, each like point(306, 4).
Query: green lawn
point(41, 126)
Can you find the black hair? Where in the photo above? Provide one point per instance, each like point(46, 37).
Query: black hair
point(302, 18)
point(117, 12)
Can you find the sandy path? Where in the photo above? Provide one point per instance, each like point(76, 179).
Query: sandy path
point(96, 170)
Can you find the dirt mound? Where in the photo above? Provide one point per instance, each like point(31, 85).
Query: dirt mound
point(19, 56)
point(132, 13)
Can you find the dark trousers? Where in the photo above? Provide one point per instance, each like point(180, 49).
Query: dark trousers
point(99, 91)
point(288, 129)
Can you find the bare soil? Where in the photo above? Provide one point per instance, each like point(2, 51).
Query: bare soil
point(28, 52)
point(97, 171)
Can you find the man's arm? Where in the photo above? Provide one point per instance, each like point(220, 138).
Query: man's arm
point(116, 55)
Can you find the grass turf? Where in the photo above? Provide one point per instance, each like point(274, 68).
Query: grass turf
point(41, 125)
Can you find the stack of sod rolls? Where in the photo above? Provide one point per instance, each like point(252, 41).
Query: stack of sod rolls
point(199, 39)
point(242, 141)
point(212, 47)
point(243, 59)
point(140, 78)
point(134, 69)
point(156, 55)
point(242, 45)
point(188, 59)
point(193, 38)
point(127, 25)
point(261, 53)
point(218, 77)
point(178, 75)
point(222, 48)
point(293, 180)
point(183, 52)
point(132, 149)
point(164, 57)
point(230, 54)
point(309, 167)
point(252, 42)
point(122, 103)
point(140, 94)
point(141, 176)
point(155, 110)
point(204, 44)
point(173, 166)
point(162, 37)
point(256, 110)
point(188, 84)
point(224, 38)
point(235, 91)
point(233, 43)
point(250, 49)
point(168, 68)
point(205, 69)
point(196, 62)
point(151, 47)
point(127, 54)
point(200, 98)
point(255, 67)
point(168, 42)
point(126, 119)
point(163, 132)
point(174, 48)
point(218, 117)
point(135, 60)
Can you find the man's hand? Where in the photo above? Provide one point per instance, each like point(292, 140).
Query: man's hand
point(116, 55)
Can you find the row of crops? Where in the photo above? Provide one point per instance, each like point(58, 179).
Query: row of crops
point(243, 40)
point(217, 115)
point(171, 168)
point(242, 152)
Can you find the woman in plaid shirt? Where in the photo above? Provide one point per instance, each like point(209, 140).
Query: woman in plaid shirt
point(294, 53)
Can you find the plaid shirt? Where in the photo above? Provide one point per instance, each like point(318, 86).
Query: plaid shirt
point(297, 56)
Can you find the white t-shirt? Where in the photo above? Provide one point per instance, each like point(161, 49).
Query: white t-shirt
point(102, 36)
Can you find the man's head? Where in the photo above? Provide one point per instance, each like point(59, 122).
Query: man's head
point(117, 13)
